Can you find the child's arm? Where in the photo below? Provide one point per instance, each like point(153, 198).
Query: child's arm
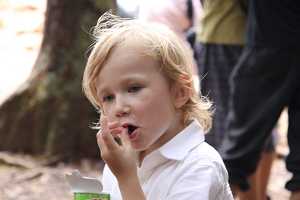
point(131, 189)
point(120, 159)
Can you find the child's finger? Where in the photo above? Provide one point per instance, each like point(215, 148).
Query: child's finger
point(101, 144)
point(113, 125)
point(116, 134)
point(103, 128)
point(124, 137)
point(109, 140)
point(103, 122)
point(116, 131)
point(109, 131)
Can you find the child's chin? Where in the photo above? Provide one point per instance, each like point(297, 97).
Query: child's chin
point(138, 148)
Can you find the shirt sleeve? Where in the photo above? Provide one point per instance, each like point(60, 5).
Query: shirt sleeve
point(205, 182)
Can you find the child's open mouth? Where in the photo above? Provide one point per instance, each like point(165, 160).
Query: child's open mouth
point(130, 129)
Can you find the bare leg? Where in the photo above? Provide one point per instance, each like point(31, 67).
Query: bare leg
point(252, 192)
point(263, 174)
point(259, 180)
point(295, 195)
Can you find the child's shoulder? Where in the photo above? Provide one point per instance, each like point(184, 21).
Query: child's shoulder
point(205, 155)
point(204, 168)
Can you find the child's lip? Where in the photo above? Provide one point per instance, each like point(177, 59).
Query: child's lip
point(125, 125)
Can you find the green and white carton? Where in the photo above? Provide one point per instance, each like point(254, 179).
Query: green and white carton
point(86, 188)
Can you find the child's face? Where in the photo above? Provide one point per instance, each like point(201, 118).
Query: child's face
point(133, 92)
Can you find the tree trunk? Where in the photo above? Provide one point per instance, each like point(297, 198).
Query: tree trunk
point(49, 115)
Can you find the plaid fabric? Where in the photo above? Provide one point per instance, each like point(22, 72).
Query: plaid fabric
point(215, 64)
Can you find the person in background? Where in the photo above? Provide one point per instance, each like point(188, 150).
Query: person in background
point(219, 45)
point(138, 76)
point(178, 15)
point(264, 82)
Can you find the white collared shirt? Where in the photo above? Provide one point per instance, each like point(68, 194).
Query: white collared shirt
point(185, 168)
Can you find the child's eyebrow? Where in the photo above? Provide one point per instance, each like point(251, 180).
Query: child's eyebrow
point(133, 78)
point(129, 80)
point(122, 82)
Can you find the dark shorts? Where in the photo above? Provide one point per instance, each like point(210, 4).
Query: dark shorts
point(264, 82)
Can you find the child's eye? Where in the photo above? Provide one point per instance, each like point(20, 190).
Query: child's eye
point(134, 89)
point(107, 98)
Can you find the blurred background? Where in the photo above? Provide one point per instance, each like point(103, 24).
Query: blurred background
point(44, 117)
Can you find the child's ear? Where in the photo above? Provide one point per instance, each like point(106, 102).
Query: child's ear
point(181, 95)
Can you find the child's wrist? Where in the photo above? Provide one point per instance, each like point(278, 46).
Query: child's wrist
point(128, 180)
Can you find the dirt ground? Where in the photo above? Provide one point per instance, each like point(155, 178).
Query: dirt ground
point(23, 177)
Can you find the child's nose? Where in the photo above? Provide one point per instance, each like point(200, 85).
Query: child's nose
point(122, 109)
point(122, 113)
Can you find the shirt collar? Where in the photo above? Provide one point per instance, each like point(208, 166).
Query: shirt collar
point(176, 149)
point(179, 146)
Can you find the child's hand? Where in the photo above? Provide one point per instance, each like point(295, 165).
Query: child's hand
point(121, 159)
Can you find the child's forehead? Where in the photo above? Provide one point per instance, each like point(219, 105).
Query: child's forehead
point(132, 50)
point(137, 45)
point(131, 55)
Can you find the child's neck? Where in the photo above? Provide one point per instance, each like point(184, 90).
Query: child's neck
point(166, 137)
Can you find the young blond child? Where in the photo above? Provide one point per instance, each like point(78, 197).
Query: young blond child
point(138, 76)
